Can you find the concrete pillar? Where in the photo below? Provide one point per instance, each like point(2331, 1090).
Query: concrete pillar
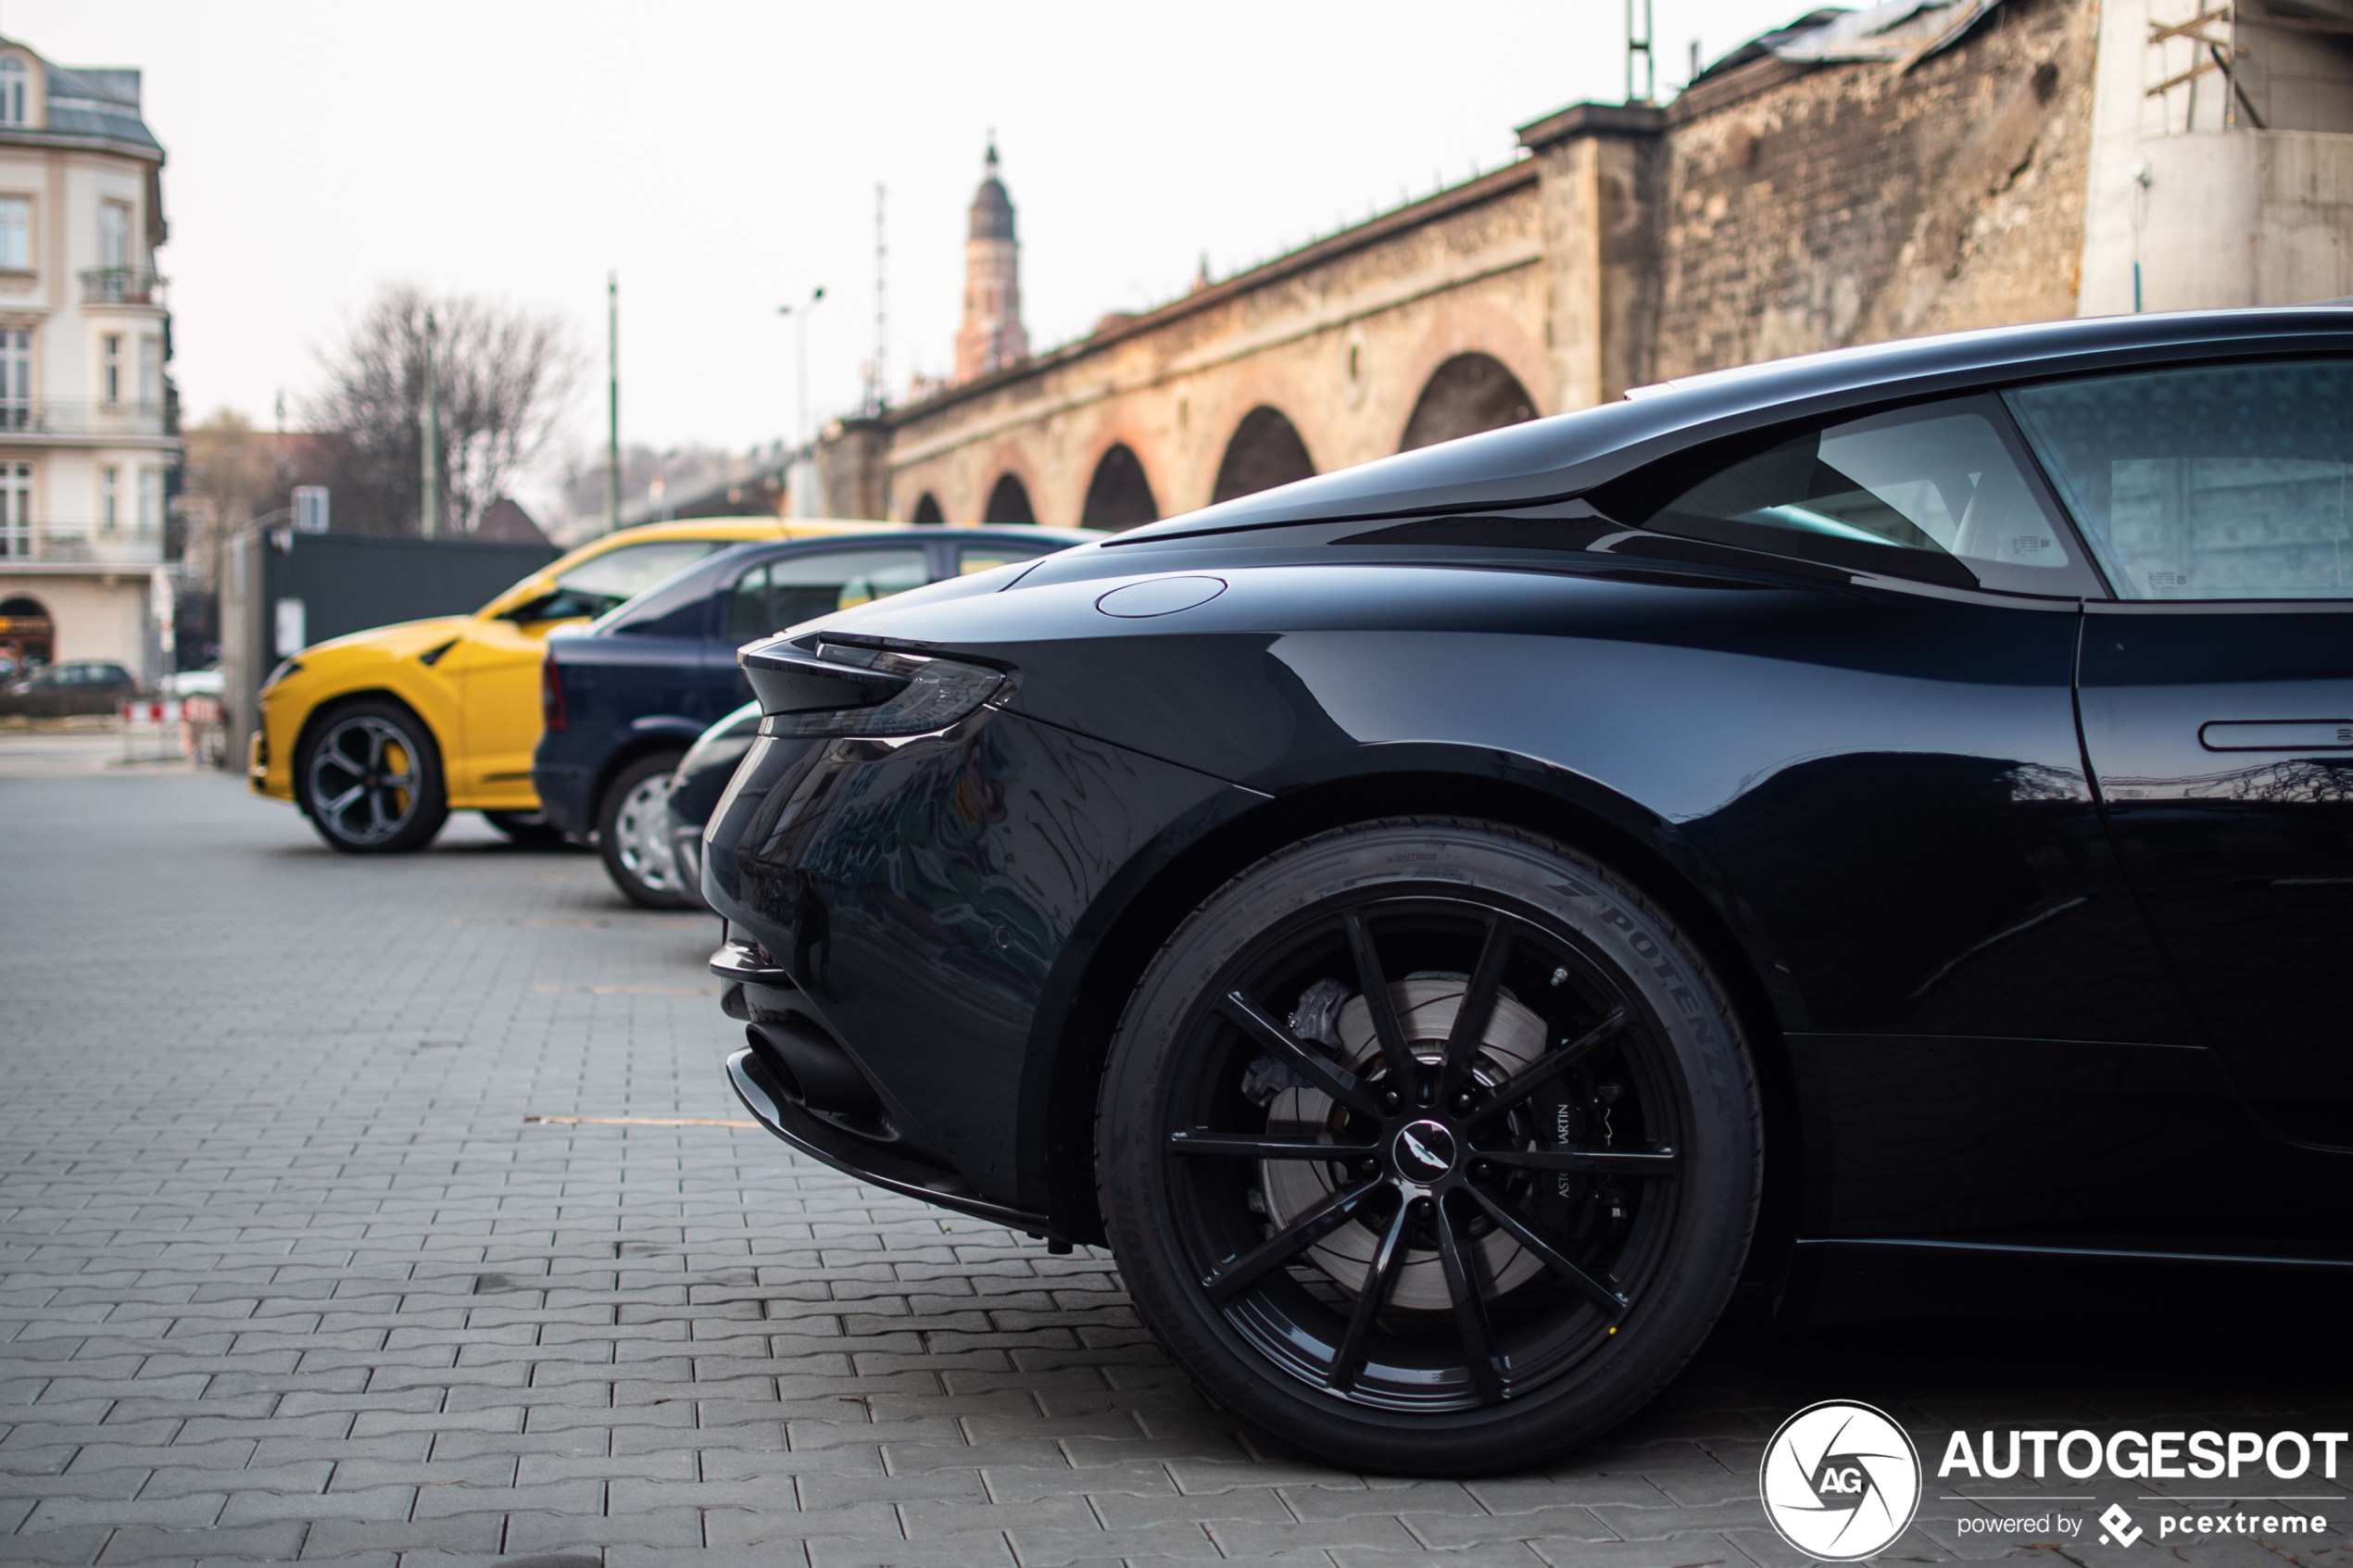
point(1600, 174)
point(853, 476)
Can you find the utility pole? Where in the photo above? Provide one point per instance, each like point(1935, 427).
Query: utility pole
point(612, 401)
point(801, 315)
point(432, 520)
point(878, 388)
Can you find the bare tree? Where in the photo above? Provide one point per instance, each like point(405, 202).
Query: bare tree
point(503, 375)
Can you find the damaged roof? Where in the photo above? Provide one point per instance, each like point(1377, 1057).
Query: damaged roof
point(1901, 33)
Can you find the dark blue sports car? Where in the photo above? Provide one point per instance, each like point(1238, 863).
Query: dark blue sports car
point(1871, 831)
point(626, 697)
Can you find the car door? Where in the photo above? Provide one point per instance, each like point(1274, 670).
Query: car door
point(788, 589)
point(2217, 693)
point(495, 668)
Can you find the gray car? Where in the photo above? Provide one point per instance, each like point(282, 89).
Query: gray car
point(80, 686)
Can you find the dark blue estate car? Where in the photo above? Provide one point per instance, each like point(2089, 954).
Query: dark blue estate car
point(625, 698)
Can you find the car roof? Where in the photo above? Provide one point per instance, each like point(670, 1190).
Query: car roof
point(1556, 459)
point(1010, 533)
point(705, 573)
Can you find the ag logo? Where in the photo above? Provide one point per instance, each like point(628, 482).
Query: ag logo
point(1840, 1481)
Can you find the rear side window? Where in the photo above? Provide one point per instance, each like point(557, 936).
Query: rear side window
point(785, 593)
point(1937, 493)
point(2223, 482)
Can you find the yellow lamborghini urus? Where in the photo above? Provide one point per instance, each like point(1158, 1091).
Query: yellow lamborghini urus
point(378, 737)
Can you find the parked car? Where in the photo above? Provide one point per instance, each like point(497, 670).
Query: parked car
point(1877, 827)
point(701, 779)
point(624, 699)
point(79, 685)
point(378, 735)
point(207, 681)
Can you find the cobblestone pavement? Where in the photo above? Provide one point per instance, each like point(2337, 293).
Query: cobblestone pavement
point(288, 1272)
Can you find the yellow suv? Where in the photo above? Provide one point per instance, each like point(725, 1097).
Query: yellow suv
point(378, 737)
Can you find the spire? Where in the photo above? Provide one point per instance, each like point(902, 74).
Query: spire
point(991, 337)
point(992, 213)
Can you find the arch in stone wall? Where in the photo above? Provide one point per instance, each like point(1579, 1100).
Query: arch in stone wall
point(928, 512)
point(1265, 451)
point(1008, 501)
point(31, 630)
point(1467, 393)
point(1119, 495)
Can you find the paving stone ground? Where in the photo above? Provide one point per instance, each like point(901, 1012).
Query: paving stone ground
point(287, 1273)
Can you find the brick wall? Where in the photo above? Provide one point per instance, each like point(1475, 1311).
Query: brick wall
point(1810, 210)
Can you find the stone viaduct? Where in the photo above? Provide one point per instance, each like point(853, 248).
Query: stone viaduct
point(1812, 190)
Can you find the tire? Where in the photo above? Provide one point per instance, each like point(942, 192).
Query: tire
point(369, 777)
point(527, 830)
point(633, 833)
point(1540, 1255)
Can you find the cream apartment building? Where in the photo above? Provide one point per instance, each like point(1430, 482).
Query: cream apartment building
point(87, 435)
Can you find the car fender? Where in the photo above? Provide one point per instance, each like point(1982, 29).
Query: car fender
point(1143, 902)
point(339, 672)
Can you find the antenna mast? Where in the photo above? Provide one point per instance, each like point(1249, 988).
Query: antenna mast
point(1641, 47)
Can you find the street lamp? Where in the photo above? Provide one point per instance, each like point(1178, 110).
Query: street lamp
point(800, 314)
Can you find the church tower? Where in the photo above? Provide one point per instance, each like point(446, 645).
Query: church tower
point(991, 337)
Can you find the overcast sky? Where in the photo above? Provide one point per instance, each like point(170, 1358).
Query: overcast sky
point(723, 159)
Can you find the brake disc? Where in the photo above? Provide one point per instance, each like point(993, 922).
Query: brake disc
point(1426, 1006)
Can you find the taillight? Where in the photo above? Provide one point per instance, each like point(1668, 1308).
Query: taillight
point(846, 690)
point(551, 695)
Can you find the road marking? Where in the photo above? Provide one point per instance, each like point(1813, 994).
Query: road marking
point(642, 1121)
point(634, 990)
point(476, 920)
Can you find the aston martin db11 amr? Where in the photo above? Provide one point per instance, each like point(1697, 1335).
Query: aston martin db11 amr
point(1449, 925)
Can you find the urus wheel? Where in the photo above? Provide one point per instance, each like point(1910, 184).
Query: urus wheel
point(633, 833)
point(368, 778)
point(1430, 1146)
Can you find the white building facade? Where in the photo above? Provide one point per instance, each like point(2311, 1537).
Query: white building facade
point(88, 427)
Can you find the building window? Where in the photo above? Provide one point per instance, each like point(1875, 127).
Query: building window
point(150, 371)
point(12, 75)
point(114, 236)
point(109, 498)
point(110, 369)
point(16, 377)
point(15, 234)
point(150, 501)
point(16, 508)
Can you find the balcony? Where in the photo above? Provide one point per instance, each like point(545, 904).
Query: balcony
point(71, 546)
point(120, 285)
point(43, 418)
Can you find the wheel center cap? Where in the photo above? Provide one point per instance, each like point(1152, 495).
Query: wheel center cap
point(1423, 1150)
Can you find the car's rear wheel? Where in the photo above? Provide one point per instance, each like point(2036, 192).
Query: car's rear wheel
point(1430, 1146)
point(527, 830)
point(368, 778)
point(633, 833)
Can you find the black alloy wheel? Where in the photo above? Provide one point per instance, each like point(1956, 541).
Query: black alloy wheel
point(527, 830)
point(633, 833)
point(1431, 1147)
point(368, 778)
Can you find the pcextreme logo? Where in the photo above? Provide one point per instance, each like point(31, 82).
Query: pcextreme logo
point(1840, 1481)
